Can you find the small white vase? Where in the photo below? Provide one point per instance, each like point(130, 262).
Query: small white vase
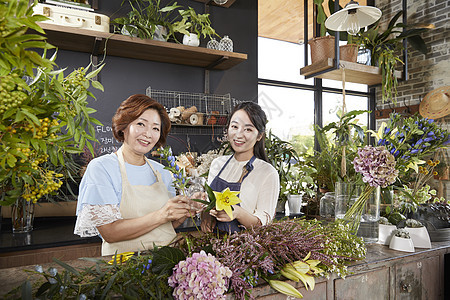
point(401, 244)
point(385, 233)
point(420, 237)
point(191, 40)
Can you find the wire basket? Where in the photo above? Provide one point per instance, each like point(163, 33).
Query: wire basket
point(194, 109)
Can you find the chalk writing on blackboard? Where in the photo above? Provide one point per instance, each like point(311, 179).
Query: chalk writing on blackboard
point(106, 141)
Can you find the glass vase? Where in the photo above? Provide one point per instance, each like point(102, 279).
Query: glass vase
point(368, 226)
point(327, 204)
point(22, 216)
point(345, 195)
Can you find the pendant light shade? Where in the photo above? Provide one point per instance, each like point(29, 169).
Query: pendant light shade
point(220, 2)
point(352, 18)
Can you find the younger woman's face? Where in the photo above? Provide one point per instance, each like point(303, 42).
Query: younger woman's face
point(242, 135)
point(142, 134)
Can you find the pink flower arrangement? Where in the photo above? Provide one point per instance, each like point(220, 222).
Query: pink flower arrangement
point(376, 165)
point(201, 276)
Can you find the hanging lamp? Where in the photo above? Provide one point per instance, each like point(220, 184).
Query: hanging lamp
point(352, 18)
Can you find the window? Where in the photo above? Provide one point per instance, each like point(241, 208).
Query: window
point(288, 98)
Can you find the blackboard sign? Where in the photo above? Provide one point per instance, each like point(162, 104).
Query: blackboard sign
point(106, 141)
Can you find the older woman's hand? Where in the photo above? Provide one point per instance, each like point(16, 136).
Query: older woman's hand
point(176, 208)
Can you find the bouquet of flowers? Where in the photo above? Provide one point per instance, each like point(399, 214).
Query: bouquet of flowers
point(377, 167)
point(411, 139)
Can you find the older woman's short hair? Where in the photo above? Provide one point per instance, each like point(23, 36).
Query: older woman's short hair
point(131, 109)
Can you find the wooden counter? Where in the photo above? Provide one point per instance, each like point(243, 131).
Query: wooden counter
point(384, 274)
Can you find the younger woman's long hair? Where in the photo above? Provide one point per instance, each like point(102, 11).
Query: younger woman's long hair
point(258, 118)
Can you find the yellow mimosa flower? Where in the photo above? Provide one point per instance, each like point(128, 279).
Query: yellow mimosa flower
point(225, 199)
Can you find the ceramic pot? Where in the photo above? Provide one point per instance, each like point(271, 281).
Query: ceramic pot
point(385, 233)
point(323, 47)
point(191, 40)
point(401, 244)
point(420, 237)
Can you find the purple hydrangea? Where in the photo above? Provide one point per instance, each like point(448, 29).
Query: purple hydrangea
point(376, 165)
point(201, 276)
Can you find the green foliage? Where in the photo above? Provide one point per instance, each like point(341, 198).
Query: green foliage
point(281, 154)
point(385, 47)
point(192, 22)
point(410, 140)
point(144, 17)
point(338, 143)
point(141, 276)
point(43, 114)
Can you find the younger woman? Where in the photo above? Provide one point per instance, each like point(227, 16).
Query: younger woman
point(247, 171)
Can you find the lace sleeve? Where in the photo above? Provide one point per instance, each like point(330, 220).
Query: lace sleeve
point(92, 216)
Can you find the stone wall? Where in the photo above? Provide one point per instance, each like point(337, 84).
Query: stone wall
point(425, 72)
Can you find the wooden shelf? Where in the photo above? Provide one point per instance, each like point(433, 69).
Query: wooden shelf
point(125, 46)
point(354, 72)
point(228, 4)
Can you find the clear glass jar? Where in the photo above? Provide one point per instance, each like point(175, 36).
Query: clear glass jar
point(327, 203)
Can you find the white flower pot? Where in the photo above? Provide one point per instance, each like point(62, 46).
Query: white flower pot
point(385, 233)
point(420, 237)
point(401, 244)
point(191, 40)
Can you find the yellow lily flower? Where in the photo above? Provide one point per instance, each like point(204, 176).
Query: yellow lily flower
point(225, 199)
point(285, 288)
point(121, 257)
point(379, 134)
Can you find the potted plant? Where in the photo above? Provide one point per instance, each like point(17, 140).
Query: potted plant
point(194, 25)
point(385, 47)
point(323, 46)
point(44, 114)
point(147, 20)
point(281, 154)
point(418, 233)
point(299, 184)
point(401, 241)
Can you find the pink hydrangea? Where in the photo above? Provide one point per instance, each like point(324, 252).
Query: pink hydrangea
point(377, 166)
point(201, 276)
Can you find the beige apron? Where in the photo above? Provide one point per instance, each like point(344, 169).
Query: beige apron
point(137, 201)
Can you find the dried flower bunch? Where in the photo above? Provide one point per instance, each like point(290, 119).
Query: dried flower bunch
point(264, 251)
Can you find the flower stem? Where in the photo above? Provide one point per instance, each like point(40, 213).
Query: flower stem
point(354, 213)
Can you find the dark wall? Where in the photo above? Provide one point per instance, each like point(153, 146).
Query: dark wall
point(122, 77)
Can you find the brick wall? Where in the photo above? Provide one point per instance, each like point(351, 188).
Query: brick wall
point(425, 72)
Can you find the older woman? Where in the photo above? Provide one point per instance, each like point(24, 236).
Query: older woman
point(126, 198)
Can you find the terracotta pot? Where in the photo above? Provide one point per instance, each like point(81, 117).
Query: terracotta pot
point(323, 47)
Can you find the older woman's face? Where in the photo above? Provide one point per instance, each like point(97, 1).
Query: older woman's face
point(142, 134)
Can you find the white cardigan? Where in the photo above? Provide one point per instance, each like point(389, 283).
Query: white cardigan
point(259, 190)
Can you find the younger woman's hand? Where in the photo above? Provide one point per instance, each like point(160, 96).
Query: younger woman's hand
point(222, 216)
